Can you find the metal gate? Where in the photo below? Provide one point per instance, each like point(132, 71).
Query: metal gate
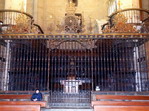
point(70, 74)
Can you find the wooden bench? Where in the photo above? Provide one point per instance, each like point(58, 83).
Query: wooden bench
point(120, 103)
point(15, 96)
point(18, 105)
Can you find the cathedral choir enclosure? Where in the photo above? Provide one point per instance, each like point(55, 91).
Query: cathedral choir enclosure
point(112, 65)
point(74, 50)
point(75, 67)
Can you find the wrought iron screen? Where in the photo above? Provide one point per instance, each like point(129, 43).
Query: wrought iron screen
point(70, 66)
point(47, 64)
point(113, 65)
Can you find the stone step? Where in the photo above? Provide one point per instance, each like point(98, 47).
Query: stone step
point(70, 105)
point(70, 100)
point(65, 100)
point(70, 95)
point(89, 109)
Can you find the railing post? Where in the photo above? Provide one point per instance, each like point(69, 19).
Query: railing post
point(7, 66)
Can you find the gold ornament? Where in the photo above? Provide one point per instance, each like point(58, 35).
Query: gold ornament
point(120, 25)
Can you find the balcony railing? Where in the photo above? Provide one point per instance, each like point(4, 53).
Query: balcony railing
point(14, 21)
point(131, 20)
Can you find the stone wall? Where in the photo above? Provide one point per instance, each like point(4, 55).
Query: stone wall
point(49, 13)
point(16, 5)
point(2, 4)
point(145, 4)
point(129, 4)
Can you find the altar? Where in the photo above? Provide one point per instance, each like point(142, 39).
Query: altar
point(71, 86)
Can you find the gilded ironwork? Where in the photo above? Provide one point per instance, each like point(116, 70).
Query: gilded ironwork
point(18, 22)
point(80, 43)
point(73, 36)
point(127, 21)
point(23, 25)
point(120, 25)
point(120, 18)
point(73, 23)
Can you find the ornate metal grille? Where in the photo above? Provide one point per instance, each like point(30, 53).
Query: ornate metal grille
point(113, 65)
point(83, 65)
